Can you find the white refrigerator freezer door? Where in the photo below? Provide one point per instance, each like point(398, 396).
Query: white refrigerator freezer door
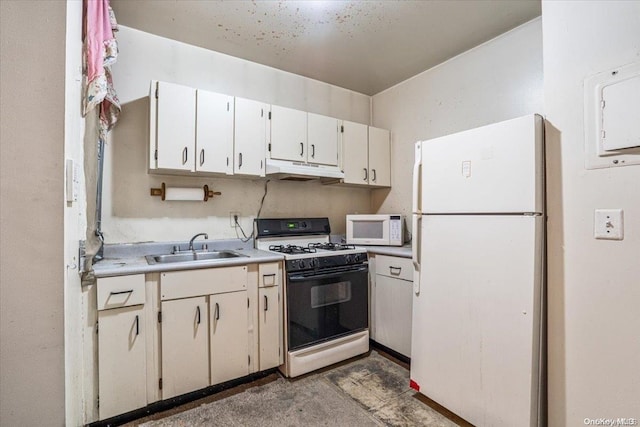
point(494, 168)
point(476, 321)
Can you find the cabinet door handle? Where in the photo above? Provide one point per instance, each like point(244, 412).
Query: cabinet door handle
point(313, 151)
point(392, 268)
point(373, 171)
point(198, 315)
point(239, 160)
point(366, 174)
point(217, 312)
point(301, 149)
point(202, 157)
point(264, 276)
point(121, 292)
point(266, 303)
point(184, 155)
point(137, 325)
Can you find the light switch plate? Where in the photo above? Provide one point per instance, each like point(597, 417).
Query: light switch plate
point(608, 224)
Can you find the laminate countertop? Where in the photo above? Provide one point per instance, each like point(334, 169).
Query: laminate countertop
point(130, 258)
point(399, 251)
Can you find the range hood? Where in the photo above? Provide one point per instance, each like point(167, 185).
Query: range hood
point(297, 171)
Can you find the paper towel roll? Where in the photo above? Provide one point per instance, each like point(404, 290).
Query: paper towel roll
point(176, 193)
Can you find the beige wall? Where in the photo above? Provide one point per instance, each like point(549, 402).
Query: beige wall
point(498, 80)
point(32, 36)
point(130, 214)
point(594, 285)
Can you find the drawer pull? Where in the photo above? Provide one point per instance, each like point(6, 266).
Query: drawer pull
point(392, 269)
point(265, 276)
point(137, 325)
point(198, 314)
point(121, 292)
point(217, 312)
point(266, 303)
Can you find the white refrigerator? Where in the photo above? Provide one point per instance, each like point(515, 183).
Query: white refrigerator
point(478, 252)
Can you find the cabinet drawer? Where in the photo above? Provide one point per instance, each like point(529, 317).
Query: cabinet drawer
point(120, 291)
point(391, 266)
point(268, 274)
point(192, 283)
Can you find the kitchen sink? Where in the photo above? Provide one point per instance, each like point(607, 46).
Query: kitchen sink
point(192, 256)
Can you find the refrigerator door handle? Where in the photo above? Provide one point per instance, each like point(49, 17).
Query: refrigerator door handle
point(415, 251)
point(416, 178)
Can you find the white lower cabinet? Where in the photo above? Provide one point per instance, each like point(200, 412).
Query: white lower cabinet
point(203, 327)
point(185, 346)
point(270, 315)
point(269, 325)
point(393, 303)
point(228, 334)
point(122, 348)
point(122, 372)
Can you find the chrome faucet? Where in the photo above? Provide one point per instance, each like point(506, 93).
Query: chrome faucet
point(205, 235)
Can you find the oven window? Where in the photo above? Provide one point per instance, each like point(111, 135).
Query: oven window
point(368, 229)
point(333, 293)
point(326, 306)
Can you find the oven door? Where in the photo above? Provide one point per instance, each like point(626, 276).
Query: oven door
point(326, 304)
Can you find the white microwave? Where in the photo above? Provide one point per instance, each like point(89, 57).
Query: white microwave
point(386, 230)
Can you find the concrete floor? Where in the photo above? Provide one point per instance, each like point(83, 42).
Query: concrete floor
point(368, 391)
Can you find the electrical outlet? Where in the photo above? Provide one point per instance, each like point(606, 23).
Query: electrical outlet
point(232, 218)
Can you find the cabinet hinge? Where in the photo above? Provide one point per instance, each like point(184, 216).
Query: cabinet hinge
point(157, 87)
point(98, 402)
point(262, 113)
point(159, 317)
point(96, 327)
point(155, 155)
point(341, 129)
point(227, 106)
point(160, 383)
point(269, 115)
point(602, 104)
point(247, 302)
point(269, 147)
point(249, 359)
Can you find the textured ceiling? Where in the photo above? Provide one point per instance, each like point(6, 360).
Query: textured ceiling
point(365, 46)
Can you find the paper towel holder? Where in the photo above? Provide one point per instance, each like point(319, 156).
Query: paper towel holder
point(206, 193)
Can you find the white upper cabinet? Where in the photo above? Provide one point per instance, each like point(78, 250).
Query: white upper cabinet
point(355, 153)
point(379, 157)
point(303, 137)
point(288, 134)
point(173, 127)
point(322, 139)
point(366, 155)
point(250, 137)
point(214, 132)
point(191, 130)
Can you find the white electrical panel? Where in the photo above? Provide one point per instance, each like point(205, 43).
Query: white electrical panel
point(612, 117)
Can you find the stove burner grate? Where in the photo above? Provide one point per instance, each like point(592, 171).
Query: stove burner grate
point(292, 249)
point(331, 246)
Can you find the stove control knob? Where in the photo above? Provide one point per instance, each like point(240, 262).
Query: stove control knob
point(347, 259)
point(301, 262)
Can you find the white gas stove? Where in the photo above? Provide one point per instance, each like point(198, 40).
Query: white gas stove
point(326, 293)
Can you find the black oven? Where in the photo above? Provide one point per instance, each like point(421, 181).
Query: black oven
point(326, 303)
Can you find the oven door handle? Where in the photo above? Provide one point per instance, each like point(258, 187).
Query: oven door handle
point(300, 277)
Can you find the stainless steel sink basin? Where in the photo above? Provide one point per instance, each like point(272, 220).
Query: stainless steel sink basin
point(192, 256)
